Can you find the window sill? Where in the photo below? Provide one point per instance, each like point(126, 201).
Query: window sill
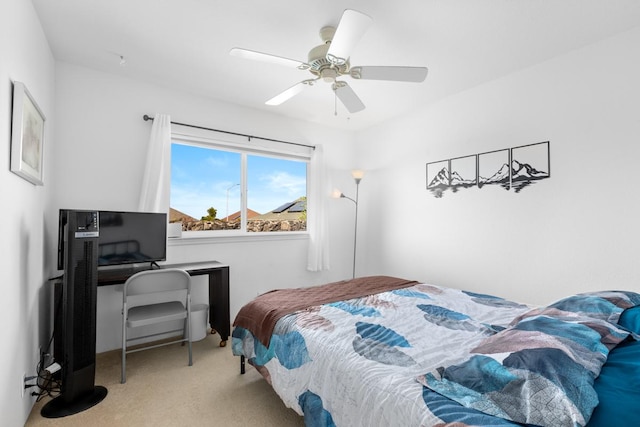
point(205, 238)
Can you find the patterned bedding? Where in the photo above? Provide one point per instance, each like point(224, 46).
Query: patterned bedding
point(368, 361)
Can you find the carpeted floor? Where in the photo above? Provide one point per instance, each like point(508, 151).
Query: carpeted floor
point(162, 390)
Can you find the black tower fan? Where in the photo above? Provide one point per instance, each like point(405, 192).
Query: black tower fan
point(75, 328)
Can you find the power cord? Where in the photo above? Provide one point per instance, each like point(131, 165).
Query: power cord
point(46, 382)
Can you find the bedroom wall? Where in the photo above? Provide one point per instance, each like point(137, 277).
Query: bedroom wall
point(577, 231)
point(99, 165)
point(25, 57)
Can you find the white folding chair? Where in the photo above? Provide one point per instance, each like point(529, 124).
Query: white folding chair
point(154, 297)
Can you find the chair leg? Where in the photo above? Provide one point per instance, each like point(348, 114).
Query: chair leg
point(123, 377)
point(184, 333)
point(189, 339)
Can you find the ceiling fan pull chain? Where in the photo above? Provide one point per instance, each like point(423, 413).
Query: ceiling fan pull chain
point(335, 103)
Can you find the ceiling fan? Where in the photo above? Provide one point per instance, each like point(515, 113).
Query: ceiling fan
point(330, 61)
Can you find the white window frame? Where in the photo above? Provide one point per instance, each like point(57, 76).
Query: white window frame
point(240, 145)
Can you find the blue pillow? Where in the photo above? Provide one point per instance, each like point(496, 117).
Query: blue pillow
point(618, 387)
point(630, 319)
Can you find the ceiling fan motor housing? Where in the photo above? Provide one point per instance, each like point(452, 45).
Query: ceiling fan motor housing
point(319, 65)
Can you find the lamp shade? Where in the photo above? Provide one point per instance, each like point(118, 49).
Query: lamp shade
point(357, 174)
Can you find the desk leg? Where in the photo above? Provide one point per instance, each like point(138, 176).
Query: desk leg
point(219, 315)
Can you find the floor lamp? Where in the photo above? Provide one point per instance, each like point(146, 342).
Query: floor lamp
point(357, 176)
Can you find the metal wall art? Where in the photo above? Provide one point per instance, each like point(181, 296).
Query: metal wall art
point(516, 167)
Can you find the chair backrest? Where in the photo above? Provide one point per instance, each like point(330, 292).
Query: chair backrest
point(155, 286)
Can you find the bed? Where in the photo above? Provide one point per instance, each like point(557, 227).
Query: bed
point(385, 351)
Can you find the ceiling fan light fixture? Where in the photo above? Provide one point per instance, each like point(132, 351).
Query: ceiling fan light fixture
point(328, 74)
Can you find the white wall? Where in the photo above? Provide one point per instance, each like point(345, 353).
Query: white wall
point(25, 57)
point(99, 162)
point(576, 231)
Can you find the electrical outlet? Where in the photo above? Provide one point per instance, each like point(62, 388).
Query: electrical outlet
point(23, 383)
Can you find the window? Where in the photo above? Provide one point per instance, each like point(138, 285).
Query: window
point(227, 189)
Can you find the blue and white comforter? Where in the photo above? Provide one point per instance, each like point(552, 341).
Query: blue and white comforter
point(428, 356)
point(356, 362)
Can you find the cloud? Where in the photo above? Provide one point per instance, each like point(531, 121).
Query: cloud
point(216, 161)
point(284, 182)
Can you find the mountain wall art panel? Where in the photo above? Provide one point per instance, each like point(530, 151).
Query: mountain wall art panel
point(438, 177)
point(529, 164)
point(464, 172)
point(511, 168)
point(493, 169)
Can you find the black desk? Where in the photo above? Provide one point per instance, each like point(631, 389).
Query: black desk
point(219, 315)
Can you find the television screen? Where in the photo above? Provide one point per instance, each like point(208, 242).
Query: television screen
point(124, 237)
point(131, 237)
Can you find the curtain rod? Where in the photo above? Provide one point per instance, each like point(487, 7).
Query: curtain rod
point(147, 118)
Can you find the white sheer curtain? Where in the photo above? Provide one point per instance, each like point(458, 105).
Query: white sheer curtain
point(154, 195)
point(317, 221)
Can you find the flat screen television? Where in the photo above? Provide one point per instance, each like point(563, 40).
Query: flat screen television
point(125, 237)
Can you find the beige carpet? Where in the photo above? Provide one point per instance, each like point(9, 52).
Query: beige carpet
point(162, 390)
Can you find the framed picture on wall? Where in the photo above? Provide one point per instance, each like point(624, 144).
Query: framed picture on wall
point(27, 136)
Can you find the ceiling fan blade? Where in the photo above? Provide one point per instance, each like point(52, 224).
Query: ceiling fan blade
point(265, 57)
point(351, 28)
point(398, 74)
point(348, 97)
point(289, 93)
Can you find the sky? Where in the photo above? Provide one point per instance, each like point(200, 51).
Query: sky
point(202, 178)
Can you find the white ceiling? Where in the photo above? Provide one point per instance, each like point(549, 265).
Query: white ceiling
point(184, 44)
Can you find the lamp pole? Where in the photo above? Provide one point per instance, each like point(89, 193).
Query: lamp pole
point(355, 230)
point(234, 185)
point(357, 176)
